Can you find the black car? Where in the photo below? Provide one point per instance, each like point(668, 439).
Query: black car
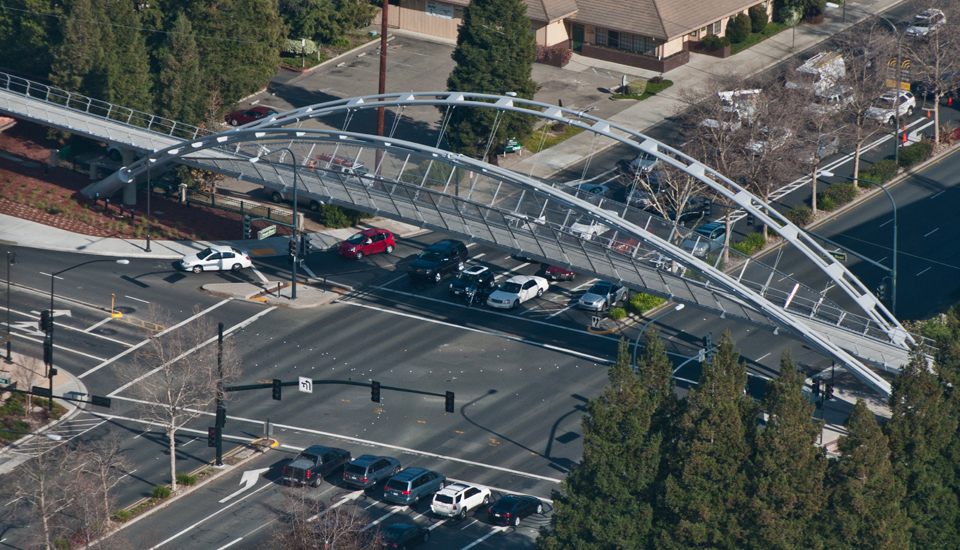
point(367, 470)
point(313, 463)
point(402, 536)
point(511, 509)
point(438, 260)
point(477, 279)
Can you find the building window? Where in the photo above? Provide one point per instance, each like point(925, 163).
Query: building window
point(601, 37)
point(625, 41)
point(716, 28)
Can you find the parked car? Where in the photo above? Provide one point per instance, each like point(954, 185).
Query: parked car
point(705, 240)
point(693, 207)
point(411, 485)
point(457, 499)
point(516, 290)
point(592, 190)
point(402, 536)
point(826, 146)
point(586, 227)
point(601, 295)
point(246, 116)
point(367, 242)
point(643, 163)
point(883, 109)
point(772, 138)
point(285, 194)
point(512, 509)
point(926, 23)
point(365, 471)
point(477, 279)
point(336, 163)
point(313, 463)
point(556, 273)
point(438, 260)
point(216, 258)
point(831, 100)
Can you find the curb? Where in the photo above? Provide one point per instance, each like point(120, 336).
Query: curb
point(331, 60)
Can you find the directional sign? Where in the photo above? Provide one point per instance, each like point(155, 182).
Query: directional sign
point(4, 380)
point(595, 321)
point(306, 385)
point(266, 232)
point(839, 256)
point(30, 327)
point(247, 480)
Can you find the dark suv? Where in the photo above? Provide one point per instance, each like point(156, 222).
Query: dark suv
point(438, 260)
point(313, 463)
point(368, 470)
point(478, 279)
point(412, 484)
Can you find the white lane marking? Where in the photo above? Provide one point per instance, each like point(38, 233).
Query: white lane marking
point(559, 311)
point(188, 352)
point(189, 442)
point(438, 524)
point(924, 271)
point(247, 480)
point(262, 278)
point(478, 256)
point(496, 530)
point(465, 526)
point(762, 358)
point(230, 544)
point(57, 346)
point(880, 261)
point(392, 511)
point(47, 275)
point(12, 501)
point(374, 503)
point(352, 496)
point(137, 299)
point(886, 222)
point(225, 508)
point(131, 472)
point(61, 325)
point(938, 194)
point(932, 232)
point(143, 343)
point(97, 324)
point(511, 271)
point(584, 285)
point(144, 431)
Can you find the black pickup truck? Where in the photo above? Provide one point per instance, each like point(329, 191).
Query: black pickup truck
point(313, 463)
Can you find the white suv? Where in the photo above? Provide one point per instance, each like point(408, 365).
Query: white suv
point(883, 110)
point(457, 499)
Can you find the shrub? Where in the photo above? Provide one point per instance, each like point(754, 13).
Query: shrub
point(640, 303)
point(657, 84)
point(738, 29)
point(841, 193)
point(636, 87)
point(758, 19)
point(742, 247)
point(714, 42)
point(121, 515)
point(551, 53)
point(916, 153)
point(340, 43)
point(880, 172)
point(161, 491)
point(617, 313)
point(800, 215)
point(184, 478)
point(294, 47)
point(826, 203)
point(756, 240)
point(336, 217)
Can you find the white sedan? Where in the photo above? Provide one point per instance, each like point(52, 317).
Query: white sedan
point(516, 290)
point(216, 258)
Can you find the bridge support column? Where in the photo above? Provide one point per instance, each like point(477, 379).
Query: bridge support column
point(130, 189)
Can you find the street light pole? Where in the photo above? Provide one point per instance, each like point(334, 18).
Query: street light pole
point(53, 278)
point(150, 162)
point(893, 271)
point(11, 259)
point(636, 342)
point(296, 239)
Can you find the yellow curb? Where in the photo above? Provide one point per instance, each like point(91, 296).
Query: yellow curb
point(263, 251)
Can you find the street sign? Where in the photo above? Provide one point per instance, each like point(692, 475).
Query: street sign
point(100, 401)
point(4, 380)
point(595, 321)
point(839, 256)
point(266, 232)
point(306, 385)
point(42, 392)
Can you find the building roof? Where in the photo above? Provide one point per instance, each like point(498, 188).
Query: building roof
point(550, 10)
point(662, 19)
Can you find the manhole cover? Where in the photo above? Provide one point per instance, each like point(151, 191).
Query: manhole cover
point(126, 310)
point(106, 331)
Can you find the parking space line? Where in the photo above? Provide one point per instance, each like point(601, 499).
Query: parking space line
point(468, 525)
point(137, 299)
point(496, 530)
point(584, 285)
point(262, 278)
point(558, 312)
point(228, 545)
point(437, 524)
point(383, 517)
point(95, 325)
point(511, 271)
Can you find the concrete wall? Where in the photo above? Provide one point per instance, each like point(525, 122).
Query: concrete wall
point(413, 16)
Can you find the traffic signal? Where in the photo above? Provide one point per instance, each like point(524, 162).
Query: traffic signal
point(47, 352)
point(448, 402)
point(307, 246)
point(882, 291)
point(221, 416)
point(709, 208)
point(750, 219)
point(375, 391)
point(815, 384)
point(276, 389)
point(46, 321)
point(293, 248)
point(246, 226)
point(828, 392)
point(707, 341)
point(212, 433)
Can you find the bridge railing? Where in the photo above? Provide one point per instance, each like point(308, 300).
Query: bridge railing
point(100, 109)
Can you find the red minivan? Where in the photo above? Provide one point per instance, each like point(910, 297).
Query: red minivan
point(366, 242)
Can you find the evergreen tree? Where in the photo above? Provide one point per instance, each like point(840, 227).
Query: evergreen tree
point(179, 89)
point(79, 59)
point(129, 62)
point(705, 494)
point(494, 54)
point(27, 38)
point(920, 431)
point(865, 504)
point(787, 472)
point(606, 500)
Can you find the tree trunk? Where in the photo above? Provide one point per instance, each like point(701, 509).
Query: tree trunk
point(171, 437)
point(813, 190)
point(936, 119)
point(856, 160)
point(726, 237)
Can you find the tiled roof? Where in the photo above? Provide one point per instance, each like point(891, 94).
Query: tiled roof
point(550, 10)
point(663, 19)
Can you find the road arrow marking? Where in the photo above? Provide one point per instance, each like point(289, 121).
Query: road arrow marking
point(247, 480)
point(30, 327)
point(56, 313)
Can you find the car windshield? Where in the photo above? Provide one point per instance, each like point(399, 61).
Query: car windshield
point(600, 288)
point(354, 469)
point(505, 503)
point(885, 103)
point(512, 288)
point(308, 456)
point(430, 256)
point(359, 238)
point(921, 23)
point(583, 220)
point(204, 253)
point(395, 532)
point(468, 277)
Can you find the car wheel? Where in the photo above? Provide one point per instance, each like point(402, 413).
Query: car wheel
point(437, 277)
point(603, 305)
point(198, 269)
point(396, 470)
point(572, 277)
point(539, 508)
point(891, 121)
point(426, 536)
point(416, 500)
point(236, 267)
point(515, 304)
point(463, 514)
point(516, 521)
point(234, 122)
point(314, 206)
point(539, 292)
point(909, 111)
point(276, 197)
point(359, 255)
point(460, 266)
point(486, 500)
point(389, 249)
point(315, 482)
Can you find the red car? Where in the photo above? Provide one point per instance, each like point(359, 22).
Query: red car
point(555, 273)
point(245, 116)
point(366, 242)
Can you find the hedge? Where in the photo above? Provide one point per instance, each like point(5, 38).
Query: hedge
point(744, 248)
point(617, 313)
point(827, 204)
point(914, 154)
point(640, 303)
point(880, 172)
point(841, 193)
point(758, 19)
point(738, 29)
point(756, 240)
point(800, 215)
point(636, 87)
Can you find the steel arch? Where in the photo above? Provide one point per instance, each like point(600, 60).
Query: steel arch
point(222, 142)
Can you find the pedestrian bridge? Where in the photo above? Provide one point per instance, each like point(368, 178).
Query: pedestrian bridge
point(425, 185)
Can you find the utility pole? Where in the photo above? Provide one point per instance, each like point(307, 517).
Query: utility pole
point(221, 409)
point(383, 77)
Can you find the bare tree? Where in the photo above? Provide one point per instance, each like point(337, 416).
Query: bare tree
point(935, 61)
point(308, 524)
point(104, 464)
point(819, 113)
point(44, 488)
point(175, 377)
point(27, 371)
